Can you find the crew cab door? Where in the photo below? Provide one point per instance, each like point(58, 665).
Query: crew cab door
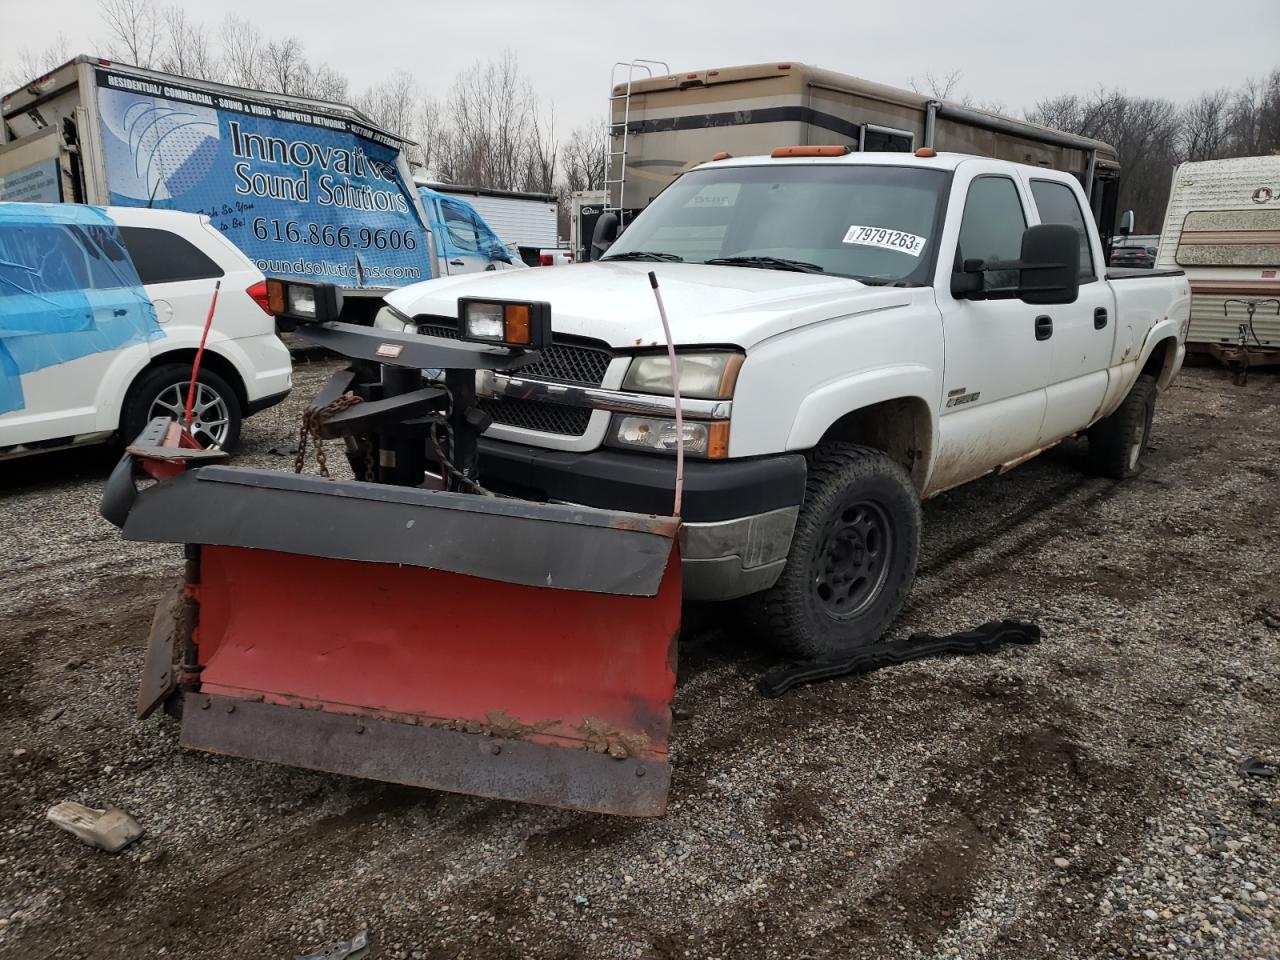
point(997, 359)
point(466, 242)
point(1084, 331)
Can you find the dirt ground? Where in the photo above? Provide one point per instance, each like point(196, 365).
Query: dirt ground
point(1080, 798)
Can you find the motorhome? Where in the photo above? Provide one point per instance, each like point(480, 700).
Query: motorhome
point(663, 123)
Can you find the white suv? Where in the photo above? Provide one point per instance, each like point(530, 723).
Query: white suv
point(86, 353)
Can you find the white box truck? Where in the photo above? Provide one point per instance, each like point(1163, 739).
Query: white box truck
point(304, 188)
point(527, 221)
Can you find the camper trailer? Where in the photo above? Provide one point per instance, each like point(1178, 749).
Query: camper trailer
point(1222, 227)
point(664, 123)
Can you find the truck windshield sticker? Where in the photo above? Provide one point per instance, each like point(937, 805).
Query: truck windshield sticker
point(886, 239)
point(302, 193)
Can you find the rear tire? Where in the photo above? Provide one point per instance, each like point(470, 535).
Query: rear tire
point(162, 391)
point(852, 558)
point(1117, 442)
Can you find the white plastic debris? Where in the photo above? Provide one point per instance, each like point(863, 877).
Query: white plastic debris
point(111, 830)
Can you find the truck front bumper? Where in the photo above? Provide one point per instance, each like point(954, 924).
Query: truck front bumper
point(738, 515)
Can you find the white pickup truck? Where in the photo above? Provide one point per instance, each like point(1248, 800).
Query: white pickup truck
point(856, 332)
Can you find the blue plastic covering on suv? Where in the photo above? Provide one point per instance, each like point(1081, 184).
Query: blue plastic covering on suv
point(490, 244)
point(67, 290)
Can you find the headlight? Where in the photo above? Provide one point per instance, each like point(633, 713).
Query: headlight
point(389, 318)
point(701, 439)
point(708, 376)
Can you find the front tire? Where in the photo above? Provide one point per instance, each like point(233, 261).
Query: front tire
point(162, 391)
point(852, 558)
point(1117, 442)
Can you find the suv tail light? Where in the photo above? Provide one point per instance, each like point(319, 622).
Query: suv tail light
point(546, 260)
point(259, 293)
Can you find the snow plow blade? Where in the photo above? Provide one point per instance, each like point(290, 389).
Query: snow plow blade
point(503, 648)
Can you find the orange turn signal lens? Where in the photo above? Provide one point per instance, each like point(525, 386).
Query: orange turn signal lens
point(718, 440)
point(275, 296)
point(516, 323)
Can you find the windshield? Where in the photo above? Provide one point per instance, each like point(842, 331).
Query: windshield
point(878, 224)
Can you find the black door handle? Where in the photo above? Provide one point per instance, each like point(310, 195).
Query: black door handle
point(456, 263)
point(1099, 318)
point(1044, 327)
point(120, 312)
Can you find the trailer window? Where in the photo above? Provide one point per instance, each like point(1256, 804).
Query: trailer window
point(164, 257)
point(992, 228)
point(1056, 203)
point(878, 224)
point(1229, 238)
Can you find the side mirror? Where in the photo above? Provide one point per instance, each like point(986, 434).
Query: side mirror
point(1048, 269)
point(605, 233)
point(1126, 224)
point(1050, 264)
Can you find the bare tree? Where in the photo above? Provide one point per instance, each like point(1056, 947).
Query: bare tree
point(134, 27)
point(241, 53)
point(583, 157)
point(495, 134)
point(33, 63)
point(1204, 133)
point(185, 47)
point(938, 86)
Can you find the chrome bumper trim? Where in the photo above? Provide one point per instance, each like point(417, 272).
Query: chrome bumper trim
point(492, 384)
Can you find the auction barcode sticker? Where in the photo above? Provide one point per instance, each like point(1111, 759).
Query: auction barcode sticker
point(886, 239)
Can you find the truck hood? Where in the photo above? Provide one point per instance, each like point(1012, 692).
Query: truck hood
point(708, 304)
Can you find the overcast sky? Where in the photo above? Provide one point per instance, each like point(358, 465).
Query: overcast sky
point(1010, 53)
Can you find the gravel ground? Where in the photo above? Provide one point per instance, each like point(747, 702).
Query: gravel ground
point(1080, 798)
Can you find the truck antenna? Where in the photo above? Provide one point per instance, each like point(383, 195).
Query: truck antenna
point(675, 391)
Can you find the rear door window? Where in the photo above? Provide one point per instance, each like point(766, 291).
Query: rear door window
point(165, 257)
point(1057, 203)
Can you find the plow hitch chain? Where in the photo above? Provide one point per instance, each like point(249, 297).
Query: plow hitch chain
point(386, 628)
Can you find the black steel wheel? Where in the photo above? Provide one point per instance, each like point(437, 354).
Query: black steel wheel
point(852, 558)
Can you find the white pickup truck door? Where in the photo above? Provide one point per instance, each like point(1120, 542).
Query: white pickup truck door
point(1084, 331)
point(995, 368)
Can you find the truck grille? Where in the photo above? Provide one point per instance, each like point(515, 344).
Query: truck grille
point(568, 360)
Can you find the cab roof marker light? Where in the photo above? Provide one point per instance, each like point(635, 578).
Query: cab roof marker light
point(723, 155)
point(831, 150)
point(926, 153)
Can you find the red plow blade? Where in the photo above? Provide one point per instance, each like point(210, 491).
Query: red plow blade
point(499, 648)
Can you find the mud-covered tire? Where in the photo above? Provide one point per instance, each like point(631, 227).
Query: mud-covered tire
point(161, 390)
point(835, 596)
point(1117, 442)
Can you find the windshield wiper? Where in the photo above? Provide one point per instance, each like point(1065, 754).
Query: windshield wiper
point(646, 255)
point(766, 263)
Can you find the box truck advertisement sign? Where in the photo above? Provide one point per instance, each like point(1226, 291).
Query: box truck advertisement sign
point(302, 194)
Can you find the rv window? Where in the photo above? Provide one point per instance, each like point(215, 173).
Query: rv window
point(1057, 203)
point(992, 228)
point(1229, 238)
point(164, 257)
point(880, 140)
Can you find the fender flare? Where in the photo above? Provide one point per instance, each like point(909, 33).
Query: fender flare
point(826, 405)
